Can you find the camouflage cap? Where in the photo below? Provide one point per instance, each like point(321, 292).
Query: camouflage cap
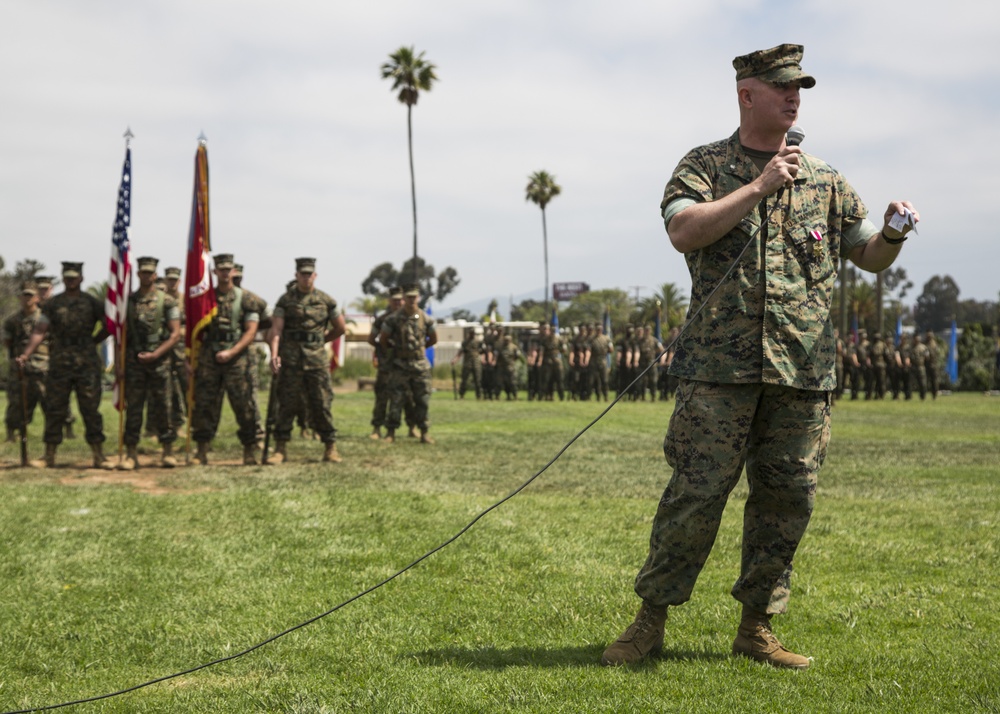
point(223, 261)
point(44, 282)
point(778, 65)
point(305, 265)
point(72, 270)
point(172, 273)
point(396, 293)
point(237, 268)
point(29, 287)
point(411, 290)
point(147, 264)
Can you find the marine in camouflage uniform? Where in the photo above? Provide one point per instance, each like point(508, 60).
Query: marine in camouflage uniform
point(409, 332)
point(552, 349)
point(383, 364)
point(534, 362)
point(757, 365)
point(649, 349)
point(152, 329)
point(580, 352)
point(879, 364)
point(304, 320)
point(624, 349)
point(178, 364)
point(600, 348)
point(470, 353)
point(906, 365)
point(222, 365)
point(893, 367)
point(74, 320)
point(508, 355)
point(259, 305)
point(918, 373)
point(25, 387)
point(45, 284)
point(854, 369)
point(932, 363)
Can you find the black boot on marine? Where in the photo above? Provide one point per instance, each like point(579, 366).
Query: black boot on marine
point(642, 638)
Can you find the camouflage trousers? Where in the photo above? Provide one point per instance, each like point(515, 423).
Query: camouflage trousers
point(599, 376)
point(780, 434)
point(381, 396)
point(471, 372)
point(67, 375)
point(149, 385)
point(552, 378)
point(179, 389)
point(211, 381)
point(410, 381)
point(33, 388)
point(507, 380)
point(309, 388)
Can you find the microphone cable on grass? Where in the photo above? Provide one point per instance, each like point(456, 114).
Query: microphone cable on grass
point(694, 315)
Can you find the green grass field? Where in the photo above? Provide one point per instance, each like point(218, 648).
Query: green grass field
point(109, 579)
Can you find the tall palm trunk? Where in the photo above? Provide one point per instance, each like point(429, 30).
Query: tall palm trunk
point(413, 187)
point(545, 247)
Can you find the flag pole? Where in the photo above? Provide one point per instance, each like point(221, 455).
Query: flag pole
point(122, 403)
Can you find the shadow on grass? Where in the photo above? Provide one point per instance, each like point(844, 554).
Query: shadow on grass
point(584, 656)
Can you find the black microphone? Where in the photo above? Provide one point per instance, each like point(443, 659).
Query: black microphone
point(794, 136)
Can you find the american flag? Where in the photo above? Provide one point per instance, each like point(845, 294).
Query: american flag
point(120, 279)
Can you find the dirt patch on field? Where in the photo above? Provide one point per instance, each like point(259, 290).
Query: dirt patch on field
point(148, 478)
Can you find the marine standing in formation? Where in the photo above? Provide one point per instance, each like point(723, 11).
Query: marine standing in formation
point(152, 329)
point(781, 221)
point(25, 385)
point(75, 322)
point(178, 363)
point(304, 320)
point(471, 353)
point(408, 333)
point(222, 366)
point(600, 348)
point(256, 304)
point(383, 363)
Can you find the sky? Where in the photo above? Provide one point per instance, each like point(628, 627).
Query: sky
point(307, 144)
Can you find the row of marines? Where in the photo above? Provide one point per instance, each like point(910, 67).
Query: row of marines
point(55, 354)
point(581, 364)
point(878, 366)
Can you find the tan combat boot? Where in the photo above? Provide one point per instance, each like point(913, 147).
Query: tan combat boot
point(250, 454)
point(643, 636)
point(48, 461)
point(425, 438)
point(100, 460)
point(412, 433)
point(330, 453)
point(201, 456)
point(10, 436)
point(755, 640)
point(390, 436)
point(280, 454)
point(131, 460)
point(376, 434)
point(167, 459)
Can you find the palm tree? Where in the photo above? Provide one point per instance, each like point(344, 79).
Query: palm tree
point(542, 188)
point(410, 73)
point(671, 302)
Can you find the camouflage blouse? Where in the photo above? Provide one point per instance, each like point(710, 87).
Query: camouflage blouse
point(307, 318)
point(769, 321)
